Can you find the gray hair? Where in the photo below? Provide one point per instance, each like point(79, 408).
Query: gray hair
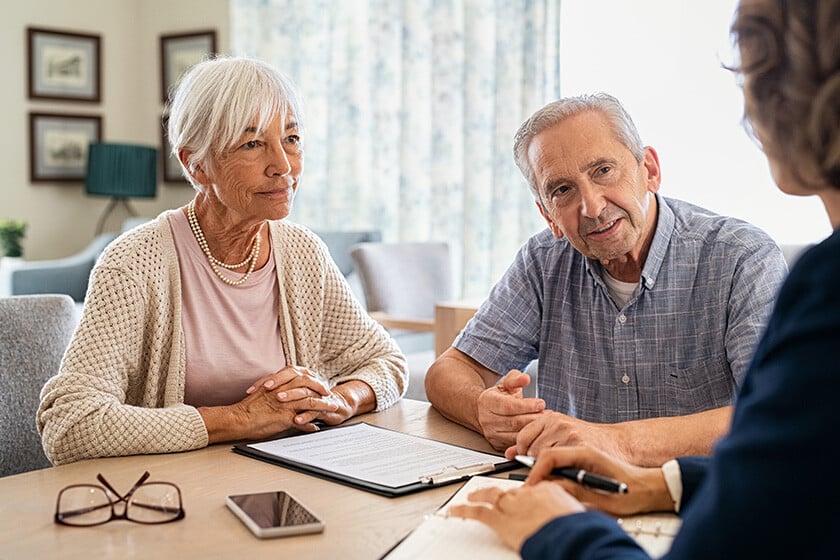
point(557, 111)
point(219, 98)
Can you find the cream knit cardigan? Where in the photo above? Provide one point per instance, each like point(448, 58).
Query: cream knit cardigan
point(120, 386)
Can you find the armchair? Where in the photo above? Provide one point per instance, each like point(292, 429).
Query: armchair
point(68, 275)
point(34, 332)
point(339, 244)
point(402, 282)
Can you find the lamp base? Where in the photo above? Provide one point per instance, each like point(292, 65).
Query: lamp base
point(110, 208)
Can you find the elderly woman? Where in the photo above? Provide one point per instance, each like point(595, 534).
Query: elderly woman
point(769, 491)
point(219, 321)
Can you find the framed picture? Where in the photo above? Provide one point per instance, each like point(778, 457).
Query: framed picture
point(63, 65)
point(180, 52)
point(171, 168)
point(58, 145)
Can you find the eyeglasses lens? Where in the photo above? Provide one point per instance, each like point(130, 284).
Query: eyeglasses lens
point(154, 502)
point(84, 505)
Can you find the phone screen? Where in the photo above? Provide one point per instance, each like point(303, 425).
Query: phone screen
point(274, 509)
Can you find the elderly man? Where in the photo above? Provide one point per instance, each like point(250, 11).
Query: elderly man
point(643, 311)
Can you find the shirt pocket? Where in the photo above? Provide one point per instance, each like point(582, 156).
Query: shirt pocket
point(704, 385)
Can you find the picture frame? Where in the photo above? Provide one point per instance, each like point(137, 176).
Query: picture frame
point(178, 52)
point(171, 168)
point(63, 65)
point(58, 146)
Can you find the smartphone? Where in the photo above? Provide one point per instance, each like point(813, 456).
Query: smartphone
point(274, 514)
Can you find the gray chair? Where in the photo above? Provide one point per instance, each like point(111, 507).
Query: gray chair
point(339, 244)
point(402, 282)
point(34, 333)
point(68, 275)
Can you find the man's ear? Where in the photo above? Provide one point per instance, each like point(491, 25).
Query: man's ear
point(558, 233)
point(196, 171)
point(654, 172)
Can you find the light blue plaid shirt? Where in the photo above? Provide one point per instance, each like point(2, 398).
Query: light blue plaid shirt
point(681, 344)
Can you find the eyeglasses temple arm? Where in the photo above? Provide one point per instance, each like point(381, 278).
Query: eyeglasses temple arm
point(128, 494)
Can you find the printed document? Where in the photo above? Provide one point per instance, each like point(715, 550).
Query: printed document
point(379, 455)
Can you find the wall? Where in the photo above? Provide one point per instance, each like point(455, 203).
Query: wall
point(62, 218)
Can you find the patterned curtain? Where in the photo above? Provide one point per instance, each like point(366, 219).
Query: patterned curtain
point(410, 111)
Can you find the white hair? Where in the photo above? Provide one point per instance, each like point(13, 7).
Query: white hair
point(557, 111)
point(219, 98)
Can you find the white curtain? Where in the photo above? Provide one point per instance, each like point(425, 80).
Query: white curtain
point(410, 111)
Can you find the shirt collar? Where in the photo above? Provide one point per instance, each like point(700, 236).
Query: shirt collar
point(661, 239)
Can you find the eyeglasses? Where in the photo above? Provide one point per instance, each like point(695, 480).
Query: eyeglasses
point(84, 505)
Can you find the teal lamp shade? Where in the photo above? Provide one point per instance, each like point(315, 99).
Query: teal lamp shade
point(121, 170)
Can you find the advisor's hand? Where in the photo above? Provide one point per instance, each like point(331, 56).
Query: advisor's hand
point(646, 488)
point(518, 513)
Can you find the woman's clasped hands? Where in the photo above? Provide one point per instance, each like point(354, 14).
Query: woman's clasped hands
point(292, 397)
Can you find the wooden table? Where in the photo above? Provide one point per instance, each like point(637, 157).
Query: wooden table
point(358, 524)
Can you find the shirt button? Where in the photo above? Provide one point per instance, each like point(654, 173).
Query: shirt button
point(625, 379)
point(622, 318)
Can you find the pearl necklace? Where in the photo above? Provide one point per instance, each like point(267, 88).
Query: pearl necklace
point(215, 263)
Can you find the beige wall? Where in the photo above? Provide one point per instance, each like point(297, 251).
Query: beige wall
point(62, 218)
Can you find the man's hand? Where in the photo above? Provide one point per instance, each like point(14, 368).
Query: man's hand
point(555, 429)
point(503, 411)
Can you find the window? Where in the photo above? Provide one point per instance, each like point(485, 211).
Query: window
point(662, 59)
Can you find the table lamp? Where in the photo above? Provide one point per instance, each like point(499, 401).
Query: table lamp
point(121, 171)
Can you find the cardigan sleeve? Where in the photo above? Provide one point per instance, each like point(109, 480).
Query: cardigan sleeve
point(119, 387)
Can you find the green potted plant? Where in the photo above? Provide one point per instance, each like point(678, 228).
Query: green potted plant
point(11, 234)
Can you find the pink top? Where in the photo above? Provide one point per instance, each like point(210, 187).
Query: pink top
point(232, 333)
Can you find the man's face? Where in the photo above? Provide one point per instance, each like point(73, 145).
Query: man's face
point(592, 189)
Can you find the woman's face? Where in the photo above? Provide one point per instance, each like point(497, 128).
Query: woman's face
point(258, 176)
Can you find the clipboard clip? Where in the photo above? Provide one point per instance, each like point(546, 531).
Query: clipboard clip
point(451, 472)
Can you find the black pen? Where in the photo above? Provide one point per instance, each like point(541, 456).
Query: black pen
point(582, 477)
